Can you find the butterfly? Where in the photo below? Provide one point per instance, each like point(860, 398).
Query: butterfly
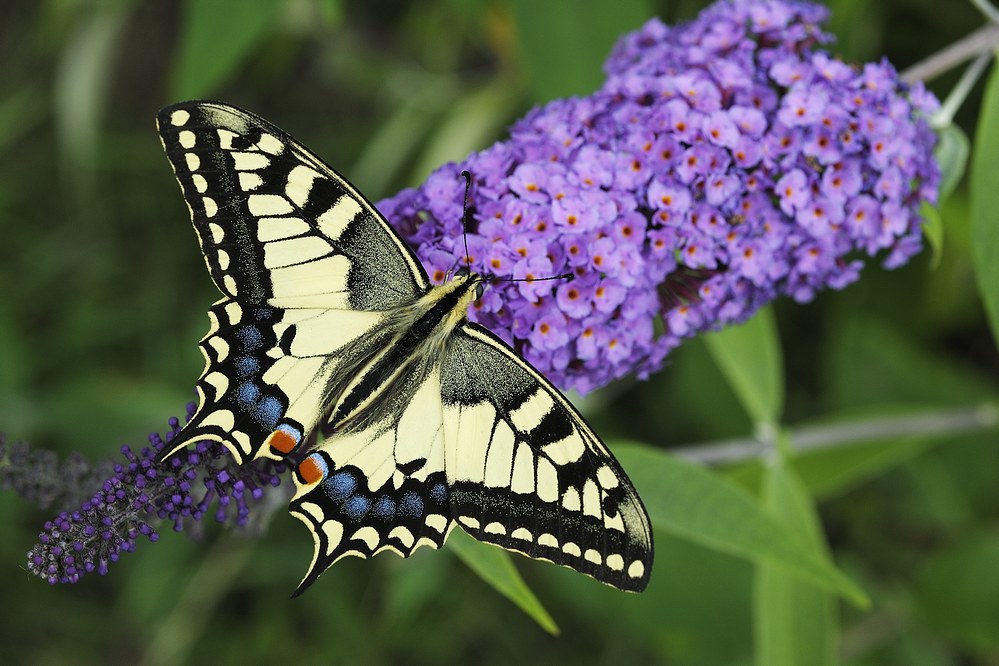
point(328, 324)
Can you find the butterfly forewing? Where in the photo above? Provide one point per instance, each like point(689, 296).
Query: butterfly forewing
point(329, 323)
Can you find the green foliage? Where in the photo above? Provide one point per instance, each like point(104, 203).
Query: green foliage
point(857, 455)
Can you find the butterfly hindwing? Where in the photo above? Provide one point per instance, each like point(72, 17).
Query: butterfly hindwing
point(527, 473)
point(381, 487)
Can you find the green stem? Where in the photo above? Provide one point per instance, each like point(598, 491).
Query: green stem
point(981, 42)
point(939, 423)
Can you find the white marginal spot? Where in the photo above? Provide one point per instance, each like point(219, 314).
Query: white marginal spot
point(547, 539)
point(193, 161)
point(200, 184)
point(636, 569)
point(270, 144)
point(495, 528)
point(403, 536)
point(333, 529)
point(592, 556)
point(223, 259)
point(607, 478)
point(522, 480)
point(249, 181)
point(437, 522)
point(210, 206)
point(615, 562)
point(591, 499)
point(243, 441)
point(249, 161)
point(230, 285)
point(469, 522)
point(187, 139)
point(547, 481)
point(277, 228)
point(299, 184)
point(367, 534)
point(220, 346)
point(335, 220)
point(567, 450)
point(526, 417)
point(217, 381)
point(522, 533)
point(179, 118)
point(294, 251)
point(218, 233)
point(268, 204)
point(569, 548)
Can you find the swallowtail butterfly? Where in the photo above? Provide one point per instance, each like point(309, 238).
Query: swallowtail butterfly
point(328, 323)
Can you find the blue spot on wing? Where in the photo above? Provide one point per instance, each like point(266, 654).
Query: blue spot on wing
point(356, 506)
point(268, 411)
point(384, 507)
point(340, 486)
point(247, 366)
point(439, 493)
point(247, 395)
point(411, 505)
point(250, 337)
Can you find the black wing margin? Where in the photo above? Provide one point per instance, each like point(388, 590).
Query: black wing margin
point(527, 473)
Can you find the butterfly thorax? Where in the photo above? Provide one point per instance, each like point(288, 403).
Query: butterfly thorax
point(393, 373)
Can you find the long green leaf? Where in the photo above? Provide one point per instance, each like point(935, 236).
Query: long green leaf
point(688, 501)
point(749, 356)
point(493, 565)
point(793, 621)
point(218, 35)
point(984, 207)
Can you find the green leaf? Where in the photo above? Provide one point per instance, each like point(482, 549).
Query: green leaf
point(565, 44)
point(688, 501)
point(952, 155)
point(493, 565)
point(959, 591)
point(984, 211)
point(217, 36)
point(793, 621)
point(750, 358)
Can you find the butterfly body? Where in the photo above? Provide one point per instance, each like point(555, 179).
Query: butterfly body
point(329, 324)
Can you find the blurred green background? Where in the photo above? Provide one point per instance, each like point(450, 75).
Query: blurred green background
point(104, 295)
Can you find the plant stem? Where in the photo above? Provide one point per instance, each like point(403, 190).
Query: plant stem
point(982, 41)
point(940, 423)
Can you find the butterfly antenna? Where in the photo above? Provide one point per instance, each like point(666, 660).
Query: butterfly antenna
point(464, 216)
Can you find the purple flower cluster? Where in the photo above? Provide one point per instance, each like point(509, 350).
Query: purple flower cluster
point(723, 163)
point(92, 538)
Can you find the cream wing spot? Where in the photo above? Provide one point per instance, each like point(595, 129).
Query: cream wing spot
point(547, 482)
point(499, 461)
point(268, 204)
point(548, 540)
point(367, 534)
point(270, 144)
point(495, 528)
point(607, 478)
point(250, 161)
point(591, 499)
point(187, 139)
point(615, 562)
point(250, 181)
point(294, 251)
point(469, 522)
point(192, 161)
point(403, 535)
point(333, 529)
point(571, 500)
point(436, 522)
point(636, 569)
point(299, 185)
point(179, 118)
point(529, 414)
point(220, 346)
point(230, 285)
point(522, 480)
point(592, 555)
point(567, 450)
point(222, 258)
point(522, 533)
point(277, 228)
point(200, 184)
point(217, 232)
point(225, 138)
point(569, 548)
point(335, 220)
point(210, 206)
